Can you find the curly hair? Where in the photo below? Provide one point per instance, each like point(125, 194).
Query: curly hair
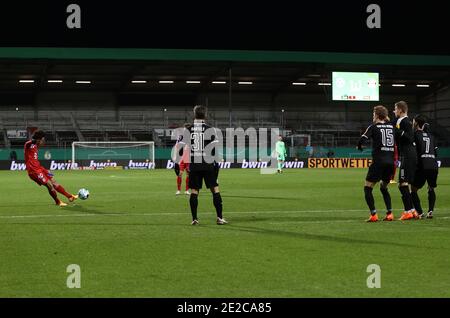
point(38, 134)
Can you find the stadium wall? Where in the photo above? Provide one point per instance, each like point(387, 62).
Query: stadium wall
point(437, 107)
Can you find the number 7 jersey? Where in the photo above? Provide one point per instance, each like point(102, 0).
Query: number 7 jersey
point(383, 142)
point(426, 150)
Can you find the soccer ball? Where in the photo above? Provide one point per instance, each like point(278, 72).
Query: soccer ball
point(83, 194)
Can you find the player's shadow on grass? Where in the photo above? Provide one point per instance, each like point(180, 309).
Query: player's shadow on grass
point(319, 237)
point(83, 209)
point(259, 198)
point(305, 218)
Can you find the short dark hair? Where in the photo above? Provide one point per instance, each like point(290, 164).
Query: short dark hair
point(200, 112)
point(422, 122)
point(38, 134)
point(402, 105)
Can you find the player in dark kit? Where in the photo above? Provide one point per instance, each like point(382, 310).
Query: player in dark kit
point(382, 134)
point(427, 168)
point(39, 174)
point(201, 140)
point(404, 137)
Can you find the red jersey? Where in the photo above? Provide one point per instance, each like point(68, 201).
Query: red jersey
point(186, 157)
point(395, 152)
point(31, 157)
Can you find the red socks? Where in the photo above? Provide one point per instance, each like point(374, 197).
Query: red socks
point(179, 183)
point(54, 195)
point(61, 190)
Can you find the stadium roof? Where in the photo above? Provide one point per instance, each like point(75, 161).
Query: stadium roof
point(194, 71)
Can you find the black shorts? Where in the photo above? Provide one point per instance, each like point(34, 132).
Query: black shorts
point(176, 167)
point(196, 178)
point(380, 171)
point(428, 176)
point(408, 168)
point(216, 169)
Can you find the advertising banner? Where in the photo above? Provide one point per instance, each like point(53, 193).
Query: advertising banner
point(17, 134)
point(338, 163)
point(320, 163)
point(135, 165)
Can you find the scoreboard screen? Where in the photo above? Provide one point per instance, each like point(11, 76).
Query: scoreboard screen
point(355, 86)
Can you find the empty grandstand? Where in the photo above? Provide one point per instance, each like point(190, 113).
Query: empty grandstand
point(128, 100)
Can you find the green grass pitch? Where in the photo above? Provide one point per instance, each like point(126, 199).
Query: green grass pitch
point(299, 234)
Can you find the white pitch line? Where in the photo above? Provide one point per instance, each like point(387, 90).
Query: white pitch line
point(45, 216)
point(168, 213)
point(185, 213)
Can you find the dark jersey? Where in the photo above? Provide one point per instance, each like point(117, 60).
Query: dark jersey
point(426, 150)
point(404, 137)
point(382, 135)
point(202, 140)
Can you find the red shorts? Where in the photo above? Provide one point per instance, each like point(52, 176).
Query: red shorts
point(184, 166)
point(41, 177)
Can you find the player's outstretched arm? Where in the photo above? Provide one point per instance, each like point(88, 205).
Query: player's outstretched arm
point(364, 138)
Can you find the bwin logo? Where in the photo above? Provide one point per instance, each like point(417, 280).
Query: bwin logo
point(102, 164)
point(62, 165)
point(17, 166)
point(294, 164)
point(253, 165)
point(146, 165)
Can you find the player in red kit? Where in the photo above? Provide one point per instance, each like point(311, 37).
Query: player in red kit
point(395, 165)
point(39, 174)
point(183, 166)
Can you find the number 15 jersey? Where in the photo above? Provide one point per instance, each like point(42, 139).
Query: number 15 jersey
point(383, 142)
